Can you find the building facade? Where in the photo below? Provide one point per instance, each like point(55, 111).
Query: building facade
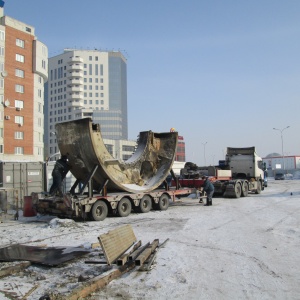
point(87, 83)
point(23, 73)
point(286, 164)
point(180, 152)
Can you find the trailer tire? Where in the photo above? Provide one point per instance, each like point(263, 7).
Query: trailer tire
point(124, 207)
point(163, 202)
point(258, 191)
point(245, 189)
point(145, 204)
point(237, 190)
point(99, 211)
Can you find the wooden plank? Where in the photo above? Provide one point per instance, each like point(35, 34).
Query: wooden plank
point(124, 258)
point(137, 252)
point(146, 253)
point(116, 242)
point(148, 263)
point(98, 282)
point(143, 256)
point(14, 269)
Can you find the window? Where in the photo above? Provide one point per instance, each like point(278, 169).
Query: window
point(1, 83)
point(1, 132)
point(44, 50)
point(19, 135)
point(19, 120)
point(44, 65)
point(19, 103)
point(19, 150)
point(1, 51)
point(20, 43)
point(19, 73)
point(2, 35)
point(19, 88)
point(128, 148)
point(40, 107)
point(1, 148)
point(20, 58)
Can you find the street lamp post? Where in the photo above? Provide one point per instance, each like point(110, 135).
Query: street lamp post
point(281, 131)
point(204, 144)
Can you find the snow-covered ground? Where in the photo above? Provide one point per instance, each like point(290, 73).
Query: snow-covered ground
point(246, 248)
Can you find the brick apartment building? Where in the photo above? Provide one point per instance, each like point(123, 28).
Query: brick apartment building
point(23, 72)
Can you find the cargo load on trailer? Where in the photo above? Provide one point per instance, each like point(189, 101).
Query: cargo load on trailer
point(106, 184)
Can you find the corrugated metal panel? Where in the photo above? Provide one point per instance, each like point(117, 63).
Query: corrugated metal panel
point(116, 242)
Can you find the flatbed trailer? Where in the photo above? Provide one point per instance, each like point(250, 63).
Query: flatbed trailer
point(97, 207)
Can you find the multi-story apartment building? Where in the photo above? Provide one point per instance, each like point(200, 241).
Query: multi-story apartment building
point(23, 73)
point(87, 83)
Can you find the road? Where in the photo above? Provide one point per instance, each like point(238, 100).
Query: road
point(246, 248)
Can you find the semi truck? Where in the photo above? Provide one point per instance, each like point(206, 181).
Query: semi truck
point(241, 172)
point(105, 184)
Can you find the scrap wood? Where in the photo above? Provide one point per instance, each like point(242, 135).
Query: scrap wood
point(96, 283)
point(124, 258)
point(137, 252)
point(116, 242)
point(149, 262)
point(14, 269)
point(143, 256)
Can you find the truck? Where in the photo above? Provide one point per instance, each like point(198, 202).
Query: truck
point(241, 172)
point(106, 185)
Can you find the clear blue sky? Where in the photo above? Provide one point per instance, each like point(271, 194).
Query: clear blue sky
point(221, 72)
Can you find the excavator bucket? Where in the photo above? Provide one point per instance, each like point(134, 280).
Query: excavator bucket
point(144, 171)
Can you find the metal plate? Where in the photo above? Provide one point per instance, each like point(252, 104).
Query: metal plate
point(51, 256)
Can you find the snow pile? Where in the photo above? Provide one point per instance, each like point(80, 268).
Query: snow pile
point(58, 223)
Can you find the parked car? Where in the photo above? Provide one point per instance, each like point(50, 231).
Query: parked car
point(279, 176)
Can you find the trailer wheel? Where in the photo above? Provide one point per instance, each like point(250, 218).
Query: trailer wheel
point(124, 207)
point(237, 190)
point(258, 191)
point(245, 189)
point(163, 202)
point(145, 204)
point(99, 211)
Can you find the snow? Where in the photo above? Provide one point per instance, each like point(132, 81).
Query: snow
point(246, 248)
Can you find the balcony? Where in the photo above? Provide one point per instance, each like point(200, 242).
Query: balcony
point(74, 89)
point(74, 67)
point(76, 103)
point(75, 74)
point(75, 59)
point(75, 81)
point(75, 96)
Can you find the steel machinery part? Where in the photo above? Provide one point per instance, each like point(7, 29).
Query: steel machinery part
point(144, 171)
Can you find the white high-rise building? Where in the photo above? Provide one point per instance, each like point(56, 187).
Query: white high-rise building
point(87, 83)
